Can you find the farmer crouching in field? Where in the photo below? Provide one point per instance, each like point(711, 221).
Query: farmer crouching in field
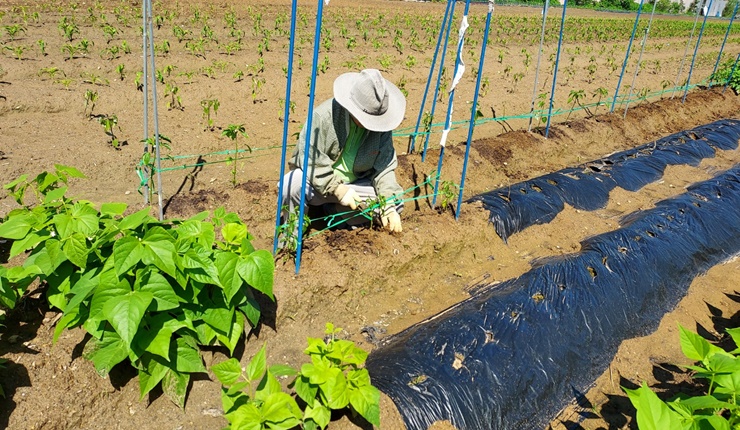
point(351, 157)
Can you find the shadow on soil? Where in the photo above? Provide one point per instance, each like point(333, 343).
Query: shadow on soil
point(672, 380)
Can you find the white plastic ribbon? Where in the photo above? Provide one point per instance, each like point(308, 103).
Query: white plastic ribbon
point(460, 63)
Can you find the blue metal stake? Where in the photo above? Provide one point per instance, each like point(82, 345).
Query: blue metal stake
point(450, 99)
point(732, 72)
point(627, 55)
point(439, 76)
point(696, 50)
point(686, 49)
point(309, 132)
point(727, 33)
point(555, 72)
point(286, 114)
point(412, 138)
point(475, 103)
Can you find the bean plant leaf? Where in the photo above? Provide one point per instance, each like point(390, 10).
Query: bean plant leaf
point(186, 357)
point(319, 413)
point(134, 220)
point(15, 227)
point(735, 335)
point(652, 413)
point(305, 389)
point(237, 329)
point(257, 270)
point(694, 346)
point(159, 250)
point(150, 376)
point(54, 195)
point(106, 352)
point(127, 252)
point(227, 372)
point(234, 233)
point(113, 208)
point(199, 266)
point(75, 248)
point(125, 313)
point(257, 365)
point(175, 386)
point(366, 400)
point(282, 370)
point(279, 409)
point(164, 295)
point(28, 242)
point(85, 218)
point(69, 170)
point(226, 263)
point(247, 417)
point(336, 391)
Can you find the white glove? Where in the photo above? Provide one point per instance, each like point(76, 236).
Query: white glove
point(347, 196)
point(391, 221)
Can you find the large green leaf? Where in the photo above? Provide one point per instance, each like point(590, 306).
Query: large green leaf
point(155, 336)
point(336, 391)
point(198, 231)
point(73, 172)
point(305, 389)
point(134, 220)
point(113, 208)
point(75, 249)
point(279, 410)
point(175, 386)
point(186, 357)
point(366, 400)
point(164, 295)
point(64, 225)
point(257, 269)
point(151, 375)
point(728, 384)
point(107, 352)
point(48, 258)
point(220, 319)
point(85, 218)
point(257, 365)
point(237, 329)
point(247, 417)
point(226, 263)
point(55, 195)
point(319, 413)
point(227, 372)
point(83, 288)
point(694, 346)
point(159, 250)
point(652, 413)
point(16, 227)
point(30, 241)
point(125, 313)
point(127, 251)
point(199, 265)
point(234, 233)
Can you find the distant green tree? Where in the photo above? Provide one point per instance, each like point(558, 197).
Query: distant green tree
point(729, 8)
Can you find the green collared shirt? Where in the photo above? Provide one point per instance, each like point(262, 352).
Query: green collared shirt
point(344, 166)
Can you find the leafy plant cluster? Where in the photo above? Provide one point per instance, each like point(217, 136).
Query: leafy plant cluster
point(147, 291)
point(718, 409)
point(253, 398)
point(722, 76)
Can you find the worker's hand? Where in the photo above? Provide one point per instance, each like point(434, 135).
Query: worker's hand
point(347, 196)
point(391, 221)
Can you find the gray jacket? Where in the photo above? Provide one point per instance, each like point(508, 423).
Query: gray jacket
point(376, 157)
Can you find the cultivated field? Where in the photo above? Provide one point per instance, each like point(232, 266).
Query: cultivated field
point(59, 86)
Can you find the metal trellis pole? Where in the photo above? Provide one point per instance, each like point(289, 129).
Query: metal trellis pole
point(439, 76)
point(145, 62)
point(686, 49)
point(627, 55)
point(639, 59)
point(286, 115)
point(459, 68)
point(471, 126)
point(309, 132)
point(555, 72)
point(696, 51)
point(539, 58)
point(412, 138)
point(149, 29)
point(721, 49)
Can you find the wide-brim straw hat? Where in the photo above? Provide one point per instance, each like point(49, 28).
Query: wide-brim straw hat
point(376, 103)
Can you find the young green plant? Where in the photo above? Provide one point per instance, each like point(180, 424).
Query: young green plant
point(233, 131)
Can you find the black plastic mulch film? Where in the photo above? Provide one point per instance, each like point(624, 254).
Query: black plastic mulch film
point(515, 353)
point(587, 186)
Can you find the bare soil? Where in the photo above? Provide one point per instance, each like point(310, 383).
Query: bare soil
point(355, 279)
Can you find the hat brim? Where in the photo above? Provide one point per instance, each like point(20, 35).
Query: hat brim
point(392, 117)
